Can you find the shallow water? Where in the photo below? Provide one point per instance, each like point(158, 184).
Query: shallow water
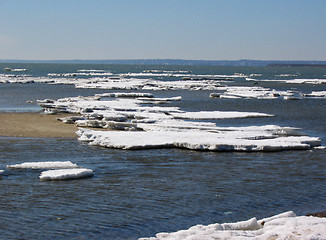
point(139, 193)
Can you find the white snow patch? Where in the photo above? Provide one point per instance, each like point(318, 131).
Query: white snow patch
point(44, 165)
point(66, 174)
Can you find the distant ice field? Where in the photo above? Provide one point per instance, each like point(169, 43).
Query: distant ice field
point(139, 193)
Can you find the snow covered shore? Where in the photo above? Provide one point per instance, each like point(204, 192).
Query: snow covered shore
point(282, 226)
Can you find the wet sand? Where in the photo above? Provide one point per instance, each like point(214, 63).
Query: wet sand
point(35, 125)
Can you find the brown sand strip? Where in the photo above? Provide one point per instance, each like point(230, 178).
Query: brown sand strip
point(35, 125)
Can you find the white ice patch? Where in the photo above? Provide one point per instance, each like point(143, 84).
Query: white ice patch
point(125, 95)
point(292, 81)
point(202, 115)
point(316, 94)
point(283, 226)
point(66, 174)
point(234, 92)
point(43, 165)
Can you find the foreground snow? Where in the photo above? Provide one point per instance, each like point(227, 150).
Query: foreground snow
point(66, 174)
point(283, 226)
point(44, 165)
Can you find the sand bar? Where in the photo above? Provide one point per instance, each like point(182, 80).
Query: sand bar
point(35, 125)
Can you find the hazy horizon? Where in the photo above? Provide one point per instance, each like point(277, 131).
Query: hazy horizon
point(185, 29)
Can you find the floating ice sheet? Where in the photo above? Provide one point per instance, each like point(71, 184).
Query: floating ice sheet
point(292, 81)
point(66, 174)
point(250, 140)
point(283, 226)
point(44, 165)
point(255, 92)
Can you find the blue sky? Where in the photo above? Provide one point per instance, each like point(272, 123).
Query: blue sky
point(175, 29)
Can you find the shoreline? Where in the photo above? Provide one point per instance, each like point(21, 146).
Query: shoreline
point(35, 125)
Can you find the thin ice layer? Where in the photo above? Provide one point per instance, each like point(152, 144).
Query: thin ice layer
point(283, 226)
point(66, 174)
point(44, 165)
point(218, 115)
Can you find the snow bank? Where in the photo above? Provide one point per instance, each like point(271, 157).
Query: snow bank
point(66, 174)
point(43, 165)
point(283, 226)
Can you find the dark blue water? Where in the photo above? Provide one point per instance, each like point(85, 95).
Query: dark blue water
point(139, 193)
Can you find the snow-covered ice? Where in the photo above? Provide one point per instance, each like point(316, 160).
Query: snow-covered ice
point(44, 165)
point(292, 81)
point(66, 174)
point(250, 140)
point(283, 226)
point(316, 94)
point(146, 127)
point(255, 92)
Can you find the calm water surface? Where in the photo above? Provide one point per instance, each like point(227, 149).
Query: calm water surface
point(139, 193)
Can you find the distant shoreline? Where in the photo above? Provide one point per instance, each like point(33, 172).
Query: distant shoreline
point(183, 62)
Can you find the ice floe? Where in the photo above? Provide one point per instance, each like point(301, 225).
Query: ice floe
point(146, 127)
point(316, 94)
point(255, 92)
point(66, 174)
point(15, 69)
point(237, 140)
point(43, 165)
point(283, 226)
point(292, 81)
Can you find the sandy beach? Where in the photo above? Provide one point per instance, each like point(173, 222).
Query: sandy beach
point(35, 125)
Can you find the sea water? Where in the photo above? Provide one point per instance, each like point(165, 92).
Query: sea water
point(139, 193)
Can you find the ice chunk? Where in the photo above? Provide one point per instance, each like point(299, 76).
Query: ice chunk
point(44, 165)
point(66, 174)
point(250, 224)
